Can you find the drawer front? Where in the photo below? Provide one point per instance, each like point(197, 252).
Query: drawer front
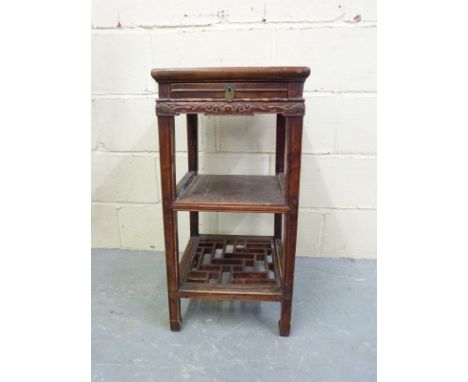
point(230, 91)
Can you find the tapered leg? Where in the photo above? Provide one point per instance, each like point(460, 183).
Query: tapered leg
point(279, 166)
point(293, 170)
point(192, 145)
point(168, 191)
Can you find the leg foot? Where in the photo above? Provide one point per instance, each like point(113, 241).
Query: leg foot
point(175, 318)
point(175, 326)
point(284, 328)
point(285, 320)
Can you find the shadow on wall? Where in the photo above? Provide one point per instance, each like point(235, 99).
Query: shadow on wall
point(246, 145)
point(126, 177)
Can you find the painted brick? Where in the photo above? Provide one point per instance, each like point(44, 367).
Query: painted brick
point(247, 134)
point(357, 126)
point(104, 227)
point(304, 10)
point(180, 124)
point(108, 13)
point(245, 224)
point(249, 11)
point(279, 11)
point(309, 233)
point(206, 133)
point(181, 165)
point(130, 124)
point(127, 124)
point(272, 158)
point(208, 223)
point(257, 134)
point(235, 164)
point(228, 47)
point(366, 9)
point(350, 234)
point(121, 62)
point(207, 126)
point(123, 178)
point(183, 229)
point(94, 131)
point(310, 226)
point(320, 123)
point(338, 182)
point(341, 59)
point(141, 227)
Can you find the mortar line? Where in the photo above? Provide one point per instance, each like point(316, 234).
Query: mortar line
point(331, 209)
point(262, 153)
point(240, 25)
point(97, 129)
point(336, 128)
point(119, 229)
point(322, 225)
point(324, 210)
point(124, 203)
point(110, 95)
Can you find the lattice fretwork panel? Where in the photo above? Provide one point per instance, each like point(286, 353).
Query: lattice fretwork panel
point(232, 261)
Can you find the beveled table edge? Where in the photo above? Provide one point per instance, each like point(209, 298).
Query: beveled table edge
point(261, 73)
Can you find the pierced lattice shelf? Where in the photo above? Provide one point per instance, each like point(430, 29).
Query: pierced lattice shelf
point(231, 262)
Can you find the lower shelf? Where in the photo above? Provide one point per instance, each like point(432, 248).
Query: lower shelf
point(231, 267)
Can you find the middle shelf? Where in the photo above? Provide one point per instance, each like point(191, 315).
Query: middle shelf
point(239, 193)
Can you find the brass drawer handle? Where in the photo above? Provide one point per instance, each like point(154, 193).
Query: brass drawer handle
point(229, 92)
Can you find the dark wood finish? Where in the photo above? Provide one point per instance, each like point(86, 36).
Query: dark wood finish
point(243, 90)
point(228, 267)
point(280, 73)
point(279, 164)
point(241, 193)
point(226, 260)
point(231, 267)
point(239, 107)
point(293, 172)
point(185, 182)
point(192, 145)
point(168, 191)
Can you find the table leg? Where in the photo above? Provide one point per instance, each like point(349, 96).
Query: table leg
point(192, 147)
point(293, 170)
point(279, 166)
point(168, 190)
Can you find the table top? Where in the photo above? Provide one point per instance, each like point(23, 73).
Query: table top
point(276, 73)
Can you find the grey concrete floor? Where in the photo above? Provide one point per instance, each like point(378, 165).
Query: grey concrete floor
point(333, 335)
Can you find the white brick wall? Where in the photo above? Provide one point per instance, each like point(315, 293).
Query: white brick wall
point(336, 39)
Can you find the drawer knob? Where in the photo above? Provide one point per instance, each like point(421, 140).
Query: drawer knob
point(229, 92)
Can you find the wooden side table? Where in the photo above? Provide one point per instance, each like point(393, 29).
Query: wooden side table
point(229, 267)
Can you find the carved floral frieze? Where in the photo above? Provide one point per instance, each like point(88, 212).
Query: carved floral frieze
point(219, 108)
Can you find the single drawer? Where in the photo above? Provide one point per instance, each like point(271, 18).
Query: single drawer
point(230, 91)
